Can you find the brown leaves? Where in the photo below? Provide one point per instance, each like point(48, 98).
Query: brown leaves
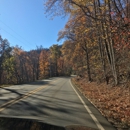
point(113, 102)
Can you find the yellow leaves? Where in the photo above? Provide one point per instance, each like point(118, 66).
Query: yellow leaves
point(102, 7)
point(106, 1)
point(81, 2)
point(44, 63)
point(104, 37)
point(86, 30)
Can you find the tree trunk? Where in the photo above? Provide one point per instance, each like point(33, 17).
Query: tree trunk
point(85, 48)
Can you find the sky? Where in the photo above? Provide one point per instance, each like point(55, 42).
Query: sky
point(24, 23)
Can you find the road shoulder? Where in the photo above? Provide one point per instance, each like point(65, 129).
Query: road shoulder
point(101, 119)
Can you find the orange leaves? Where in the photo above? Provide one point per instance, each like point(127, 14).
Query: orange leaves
point(66, 26)
point(44, 63)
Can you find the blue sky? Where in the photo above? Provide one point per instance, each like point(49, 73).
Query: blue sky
point(24, 23)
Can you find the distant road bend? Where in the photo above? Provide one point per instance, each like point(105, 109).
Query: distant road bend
point(55, 101)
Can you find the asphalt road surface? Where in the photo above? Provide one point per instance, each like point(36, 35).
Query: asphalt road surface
point(55, 101)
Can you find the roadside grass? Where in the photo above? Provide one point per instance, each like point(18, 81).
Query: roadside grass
point(112, 102)
point(5, 85)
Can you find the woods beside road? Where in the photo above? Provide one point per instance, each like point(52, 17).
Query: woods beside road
point(96, 44)
point(96, 48)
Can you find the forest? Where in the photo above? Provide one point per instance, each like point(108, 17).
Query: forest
point(18, 66)
point(96, 48)
point(96, 44)
point(99, 32)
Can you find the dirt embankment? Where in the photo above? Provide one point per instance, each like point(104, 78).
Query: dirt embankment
point(112, 102)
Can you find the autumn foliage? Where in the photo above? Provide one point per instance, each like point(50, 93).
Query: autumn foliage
point(98, 32)
point(96, 48)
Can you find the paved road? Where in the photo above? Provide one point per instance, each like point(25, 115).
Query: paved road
point(53, 101)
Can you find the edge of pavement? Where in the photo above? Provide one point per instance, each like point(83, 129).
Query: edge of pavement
point(102, 120)
point(11, 85)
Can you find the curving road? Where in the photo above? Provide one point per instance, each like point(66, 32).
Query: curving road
point(53, 101)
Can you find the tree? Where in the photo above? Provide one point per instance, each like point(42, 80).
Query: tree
point(44, 64)
point(108, 19)
point(4, 52)
point(55, 55)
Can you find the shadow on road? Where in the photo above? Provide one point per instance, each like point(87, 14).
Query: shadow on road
point(30, 124)
point(58, 106)
point(57, 110)
point(12, 91)
point(25, 124)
